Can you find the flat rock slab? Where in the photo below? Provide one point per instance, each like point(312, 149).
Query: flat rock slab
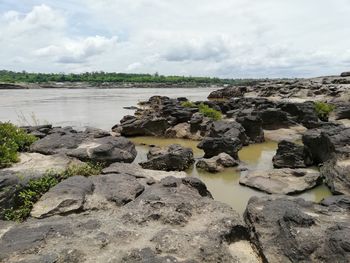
point(282, 181)
point(287, 229)
point(293, 134)
point(66, 197)
point(138, 172)
point(174, 220)
point(36, 163)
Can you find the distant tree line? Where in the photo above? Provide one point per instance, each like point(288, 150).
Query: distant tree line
point(99, 77)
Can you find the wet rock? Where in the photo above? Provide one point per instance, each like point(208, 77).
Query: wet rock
point(291, 155)
point(282, 181)
point(66, 197)
point(173, 158)
point(286, 229)
point(217, 163)
point(215, 146)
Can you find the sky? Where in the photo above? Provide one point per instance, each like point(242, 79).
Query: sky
point(221, 38)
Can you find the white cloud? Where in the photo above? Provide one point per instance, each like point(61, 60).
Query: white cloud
point(235, 38)
point(77, 51)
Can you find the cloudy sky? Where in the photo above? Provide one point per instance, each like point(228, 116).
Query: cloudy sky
point(224, 38)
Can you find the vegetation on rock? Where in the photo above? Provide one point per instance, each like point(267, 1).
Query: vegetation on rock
point(323, 110)
point(189, 104)
point(35, 188)
point(12, 140)
point(210, 112)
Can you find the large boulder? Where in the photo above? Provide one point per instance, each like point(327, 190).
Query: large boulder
point(274, 118)
point(286, 229)
point(172, 158)
point(105, 150)
point(291, 155)
point(229, 129)
point(214, 146)
point(282, 181)
point(303, 113)
point(337, 175)
point(227, 93)
point(327, 142)
point(216, 163)
point(345, 74)
point(90, 145)
point(150, 126)
point(252, 125)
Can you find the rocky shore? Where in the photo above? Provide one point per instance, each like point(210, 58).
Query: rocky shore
point(153, 211)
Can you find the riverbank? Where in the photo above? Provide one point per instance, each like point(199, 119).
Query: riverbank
point(148, 202)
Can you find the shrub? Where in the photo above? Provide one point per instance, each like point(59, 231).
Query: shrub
point(210, 112)
point(323, 110)
point(35, 188)
point(188, 104)
point(12, 140)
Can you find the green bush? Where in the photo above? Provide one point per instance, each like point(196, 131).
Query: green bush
point(12, 140)
point(35, 188)
point(210, 112)
point(28, 196)
point(323, 110)
point(188, 104)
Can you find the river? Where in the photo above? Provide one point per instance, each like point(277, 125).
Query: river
point(103, 108)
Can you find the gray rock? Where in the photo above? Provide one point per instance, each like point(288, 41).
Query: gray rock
point(66, 197)
point(286, 229)
point(172, 158)
point(282, 181)
point(106, 150)
point(229, 129)
point(173, 220)
point(215, 146)
point(345, 74)
point(337, 175)
point(291, 155)
point(138, 172)
point(144, 126)
point(217, 163)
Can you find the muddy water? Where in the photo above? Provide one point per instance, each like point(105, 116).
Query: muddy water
point(225, 186)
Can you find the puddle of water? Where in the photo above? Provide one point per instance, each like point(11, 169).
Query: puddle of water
point(225, 186)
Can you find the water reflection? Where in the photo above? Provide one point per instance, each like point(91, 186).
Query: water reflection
point(225, 186)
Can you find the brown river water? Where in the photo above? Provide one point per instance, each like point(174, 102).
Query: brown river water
point(102, 108)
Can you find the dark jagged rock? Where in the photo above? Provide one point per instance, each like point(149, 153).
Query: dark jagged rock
point(227, 93)
point(274, 118)
point(291, 155)
point(215, 146)
point(144, 126)
point(229, 129)
point(294, 230)
point(345, 74)
point(252, 125)
point(302, 113)
point(173, 158)
point(337, 201)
